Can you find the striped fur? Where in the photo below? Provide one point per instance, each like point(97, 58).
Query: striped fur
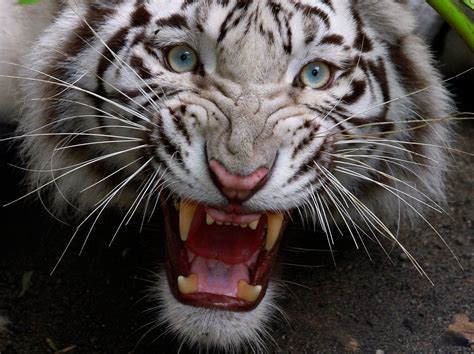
point(371, 140)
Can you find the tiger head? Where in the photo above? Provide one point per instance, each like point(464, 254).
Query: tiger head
point(236, 116)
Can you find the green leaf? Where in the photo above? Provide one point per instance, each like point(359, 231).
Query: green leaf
point(27, 2)
point(459, 15)
point(469, 3)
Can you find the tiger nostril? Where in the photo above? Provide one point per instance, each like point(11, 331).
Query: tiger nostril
point(234, 187)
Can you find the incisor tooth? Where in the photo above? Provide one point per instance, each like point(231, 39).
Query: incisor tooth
point(243, 226)
point(188, 285)
point(209, 219)
point(275, 222)
point(219, 223)
point(253, 225)
point(186, 214)
point(248, 292)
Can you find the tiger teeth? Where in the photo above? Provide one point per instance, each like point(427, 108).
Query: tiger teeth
point(186, 215)
point(209, 219)
point(275, 222)
point(253, 225)
point(188, 285)
point(248, 292)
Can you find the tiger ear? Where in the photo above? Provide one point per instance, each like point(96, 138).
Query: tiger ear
point(392, 19)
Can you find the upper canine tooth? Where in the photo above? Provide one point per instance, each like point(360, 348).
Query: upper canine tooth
point(275, 222)
point(248, 292)
point(209, 219)
point(253, 225)
point(188, 285)
point(186, 214)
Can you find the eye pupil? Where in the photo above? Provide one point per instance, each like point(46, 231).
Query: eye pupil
point(182, 58)
point(316, 74)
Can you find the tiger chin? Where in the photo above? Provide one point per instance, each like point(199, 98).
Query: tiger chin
point(234, 118)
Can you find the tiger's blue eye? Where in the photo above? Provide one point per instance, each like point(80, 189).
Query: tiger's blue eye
point(315, 74)
point(182, 59)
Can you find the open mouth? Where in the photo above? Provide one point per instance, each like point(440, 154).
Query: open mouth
point(217, 258)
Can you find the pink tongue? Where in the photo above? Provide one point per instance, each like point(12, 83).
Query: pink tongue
point(228, 244)
point(218, 278)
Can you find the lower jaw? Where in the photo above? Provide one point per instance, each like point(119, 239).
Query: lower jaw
point(177, 264)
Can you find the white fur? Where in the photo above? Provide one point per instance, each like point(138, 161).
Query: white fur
point(20, 27)
point(206, 329)
point(256, 77)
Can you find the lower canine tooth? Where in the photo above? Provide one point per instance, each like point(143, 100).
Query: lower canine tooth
point(248, 292)
point(186, 214)
point(188, 285)
point(275, 222)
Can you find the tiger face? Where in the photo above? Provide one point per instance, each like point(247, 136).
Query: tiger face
point(235, 117)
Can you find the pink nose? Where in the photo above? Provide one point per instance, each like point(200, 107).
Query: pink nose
point(237, 188)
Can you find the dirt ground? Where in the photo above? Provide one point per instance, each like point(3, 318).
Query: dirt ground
point(97, 303)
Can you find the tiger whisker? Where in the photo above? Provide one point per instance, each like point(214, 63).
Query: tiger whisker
point(387, 187)
point(73, 135)
point(47, 209)
point(75, 117)
point(111, 174)
point(388, 144)
point(62, 83)
point(104, 203)
point(97, 143)
point(407, 204)
point(123, 63)
point(153, 189)
point(357, 227)
point(425, 121)
point(374, 219)
point(82, 165)
point(360, 164)
point(150, 185)
point(395, 99)
point(304, 250)
point(107, 115)
point(337, 204)
point(388, 159)
point(112, 63)
point(134, 206)
point(303, 265)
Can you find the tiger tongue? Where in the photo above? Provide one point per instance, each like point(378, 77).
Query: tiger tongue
point(225, 243)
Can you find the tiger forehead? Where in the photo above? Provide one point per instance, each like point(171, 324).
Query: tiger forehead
point(248, 40)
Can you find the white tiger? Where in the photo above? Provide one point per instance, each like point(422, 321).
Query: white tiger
point(233, 115)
